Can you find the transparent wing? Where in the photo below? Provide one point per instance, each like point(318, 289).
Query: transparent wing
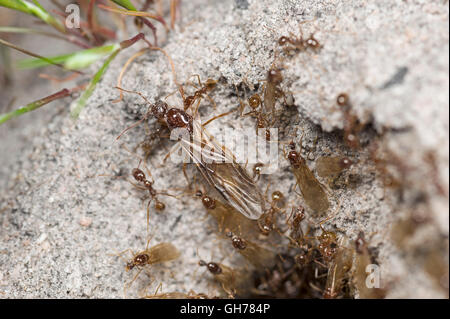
point(220, 169)
point(163, 252)
point(313, 193)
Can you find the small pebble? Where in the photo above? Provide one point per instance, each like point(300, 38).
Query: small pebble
point(85, 221)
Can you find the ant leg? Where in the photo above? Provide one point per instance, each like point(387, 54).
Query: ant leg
point(170, 94)
point(331, 216)
point(217, 117)
point(127, 286)
point(198, 79)
point(121, 253)
point(174, 74)
point(211, 100)
point(148, 215)
point(241, 103)
point(314, 146)
point(174, 149)
point(119, 79)
point(141, 120)
point(138, 186)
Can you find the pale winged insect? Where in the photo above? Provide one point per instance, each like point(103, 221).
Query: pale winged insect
point(260, 257)
point(311, 189)
point(216, 163)
point(159, 253)
point(219, 168)
point(227, 217)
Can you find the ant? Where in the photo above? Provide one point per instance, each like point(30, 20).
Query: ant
point(272, 90)
point(258, 256)
point(208, 86)
point(267, 220)
point(339, 270)
point(225, 275)
point(226, 216)
point(297, 215)
point(311, 189)
point(293, 44)
point(352, 125)
point(256, 105)
point(141, 178)
point(156, 254)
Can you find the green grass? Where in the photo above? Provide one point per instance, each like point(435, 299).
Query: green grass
point(33, 105)
point(73, 61)
point(34, 9)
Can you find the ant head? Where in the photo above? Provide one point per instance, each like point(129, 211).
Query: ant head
point(160, 206)
point(328, 237)
point(299, 214)
point(138, 23)
point(274, 76)
point(258, 168)
point(360, 243)
point(283, 40)
point(312, 42)
point(302, 258)
point(329, 293)
point(342, 99)
point(351, 140)
point(199, 193)
point(208, 202)
point(159, 109)
point(210, 84)
point(292, 145)
point(277, 195)
point(214, 268)
point(294, 157)
point(228, 233)
point(238, 242)
point(138, 174)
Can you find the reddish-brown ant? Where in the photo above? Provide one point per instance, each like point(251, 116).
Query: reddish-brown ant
point(257, 255)
point(352, 125)
point(232, 281)
point(159, 253)
point(222, 172)
point(227, 217)
point(272, 89)
point(294, 222)
point(208, 86)
point(267, 221)
point(293, 44)
point(146, 184)
point(338, 270)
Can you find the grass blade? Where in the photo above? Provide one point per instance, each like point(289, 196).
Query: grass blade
point(125, 3)
point(47, 60)
point(92, 84)
point(34, 9)
point(33, 105)
point(76, 60)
